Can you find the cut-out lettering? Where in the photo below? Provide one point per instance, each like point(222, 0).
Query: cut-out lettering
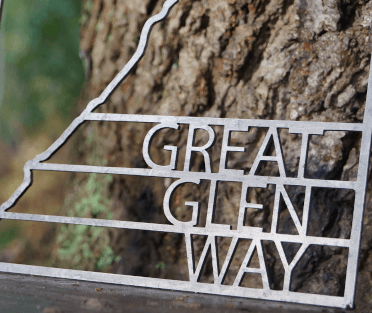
point(278, 158)
point(191, 148)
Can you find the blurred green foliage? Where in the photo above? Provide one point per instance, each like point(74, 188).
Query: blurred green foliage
point(42, 74)
point(85, 247)
point(8, 234)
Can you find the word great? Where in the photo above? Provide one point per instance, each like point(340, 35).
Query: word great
point(228, 129)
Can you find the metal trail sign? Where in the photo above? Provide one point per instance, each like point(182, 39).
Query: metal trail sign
point(212, 230)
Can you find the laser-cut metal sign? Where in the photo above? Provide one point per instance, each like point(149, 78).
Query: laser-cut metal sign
point(211, 229)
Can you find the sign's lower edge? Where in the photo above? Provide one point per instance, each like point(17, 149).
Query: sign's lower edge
point(137, 281)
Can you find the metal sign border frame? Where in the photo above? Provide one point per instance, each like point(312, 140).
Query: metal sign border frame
point(36, 164)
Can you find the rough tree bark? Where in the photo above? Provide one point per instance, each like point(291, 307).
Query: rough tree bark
point(261, 59)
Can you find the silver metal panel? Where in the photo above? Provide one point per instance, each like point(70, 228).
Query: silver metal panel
point(211, 229)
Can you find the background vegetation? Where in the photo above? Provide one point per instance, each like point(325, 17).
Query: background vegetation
point(41, 75)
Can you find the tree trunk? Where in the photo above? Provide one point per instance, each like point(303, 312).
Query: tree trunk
point(304, 60)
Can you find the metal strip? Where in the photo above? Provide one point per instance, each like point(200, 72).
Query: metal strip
point(309, 240)
point(360, 197)
point(294, 126)
point(295, 297)
point(254, 180)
